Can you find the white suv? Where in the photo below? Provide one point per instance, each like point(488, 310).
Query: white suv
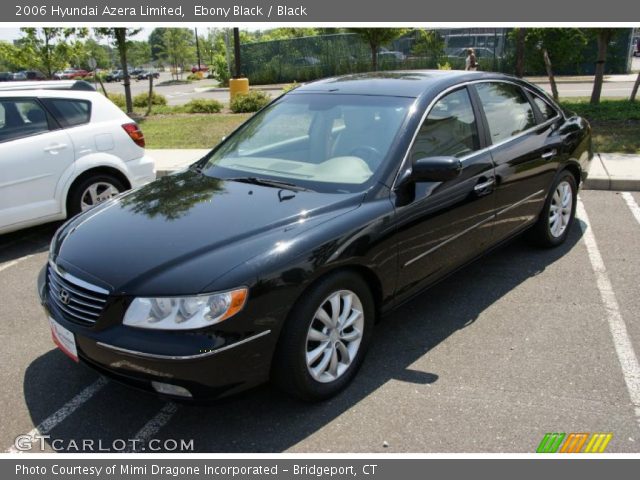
point(63, 151)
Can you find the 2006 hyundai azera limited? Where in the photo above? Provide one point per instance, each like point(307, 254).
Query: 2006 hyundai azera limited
point(273, 256)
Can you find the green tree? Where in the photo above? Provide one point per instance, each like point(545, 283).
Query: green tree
point(377, 37)
point(139, 53)
point(214, 51)
point(120, 37)
point(564, 45)
point(178, 49)
point(428, 44)
point(47, 50)
point(99, 52)
point(156, 43)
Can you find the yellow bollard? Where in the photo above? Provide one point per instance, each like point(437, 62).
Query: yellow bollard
point(238, 85)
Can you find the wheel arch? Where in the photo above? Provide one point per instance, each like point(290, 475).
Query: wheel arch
point(100, 170)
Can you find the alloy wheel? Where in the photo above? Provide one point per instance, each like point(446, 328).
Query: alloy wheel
point(334, 336)
point(560, 209)
point(97, 193)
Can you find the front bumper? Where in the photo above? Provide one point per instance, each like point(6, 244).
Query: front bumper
point(207, 364)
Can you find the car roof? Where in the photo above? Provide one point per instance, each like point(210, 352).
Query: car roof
point(43, 93)
point(47, 85)
point(410, 83)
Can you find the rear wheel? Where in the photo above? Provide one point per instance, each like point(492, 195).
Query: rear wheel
point(325, 338)
point(558, 213)
point(93, 191)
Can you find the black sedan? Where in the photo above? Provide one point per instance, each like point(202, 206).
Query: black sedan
point(274, 255)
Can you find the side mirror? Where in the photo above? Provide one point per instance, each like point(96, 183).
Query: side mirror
point(435, 169)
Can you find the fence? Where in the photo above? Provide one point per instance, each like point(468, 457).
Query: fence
point(309, 58)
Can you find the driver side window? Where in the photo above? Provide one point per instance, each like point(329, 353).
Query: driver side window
point(450, 129)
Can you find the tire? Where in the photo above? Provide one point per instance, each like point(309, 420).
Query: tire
point(292, 368)
point(550, 233)
point(77, 200)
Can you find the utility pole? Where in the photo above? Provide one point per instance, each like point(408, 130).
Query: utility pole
point(236, 51)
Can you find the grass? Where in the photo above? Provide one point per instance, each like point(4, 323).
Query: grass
point(189, 130)
point(615, 123)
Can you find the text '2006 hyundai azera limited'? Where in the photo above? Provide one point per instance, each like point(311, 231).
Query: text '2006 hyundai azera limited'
point(273, 256)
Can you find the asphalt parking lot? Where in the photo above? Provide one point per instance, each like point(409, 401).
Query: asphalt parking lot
point(520, 343)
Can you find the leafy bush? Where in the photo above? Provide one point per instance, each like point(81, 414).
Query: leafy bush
point(444, 66)
point(142, 99)
point(195, 76)
point(249, 102)
point(290, 86)
point(118, 99)
point(201, 105)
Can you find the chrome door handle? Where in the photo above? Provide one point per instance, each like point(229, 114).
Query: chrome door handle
point(57, 146)
point(484, 185)
point(549, 154)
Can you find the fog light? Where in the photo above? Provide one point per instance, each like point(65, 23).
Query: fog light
point(168, 389)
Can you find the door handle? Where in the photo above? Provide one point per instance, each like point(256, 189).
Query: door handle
point(549, 154)
point(484, 185)
point(57, 146)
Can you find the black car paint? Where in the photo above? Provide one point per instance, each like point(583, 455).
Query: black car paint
point(188, 233)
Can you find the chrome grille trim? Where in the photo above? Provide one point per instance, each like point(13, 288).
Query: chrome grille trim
point(84, 302)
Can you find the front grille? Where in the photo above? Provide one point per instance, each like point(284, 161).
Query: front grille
point(78, 300)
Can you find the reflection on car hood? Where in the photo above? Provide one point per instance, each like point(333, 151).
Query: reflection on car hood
point(181, 232)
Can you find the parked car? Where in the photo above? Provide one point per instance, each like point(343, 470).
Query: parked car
point(114, 76)
point(33, 75)
point(70, 74)
point(202, 68)
point(63, 152)
point(274, 255)
point(19, 76)
point(145, 74)
point(636, 47)
point(386, 55)
point(6, 76)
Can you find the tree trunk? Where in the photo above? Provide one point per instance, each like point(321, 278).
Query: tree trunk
point(552, 78)
point(121, 42)
point(97, 77)
point(520, 52)
point(598, 79)
point(150, 105)
point(374, 57)
point(634, 92)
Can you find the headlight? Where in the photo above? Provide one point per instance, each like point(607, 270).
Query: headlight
point(184, 313)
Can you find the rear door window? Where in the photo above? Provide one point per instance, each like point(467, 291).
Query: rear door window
point(546, 110)
point(21, 118)
point(69, 112)
point(506, 108)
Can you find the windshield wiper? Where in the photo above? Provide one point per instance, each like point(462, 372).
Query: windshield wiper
point(267, 182)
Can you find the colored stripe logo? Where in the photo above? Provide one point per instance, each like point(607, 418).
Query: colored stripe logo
point(574, 443)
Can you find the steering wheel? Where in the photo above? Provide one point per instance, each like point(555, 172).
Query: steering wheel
point(371, 155)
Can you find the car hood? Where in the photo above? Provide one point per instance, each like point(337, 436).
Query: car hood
point(178, 234)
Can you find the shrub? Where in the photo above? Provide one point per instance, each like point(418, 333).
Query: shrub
point(201, 105)
point(444, 66)
point(142, 100)
point(291, 86)
point(195, 76)
point(118, 99)
point(249, 102)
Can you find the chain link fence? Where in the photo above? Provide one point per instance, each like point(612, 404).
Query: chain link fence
point(309, 58)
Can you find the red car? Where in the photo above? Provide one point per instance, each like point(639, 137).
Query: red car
point(71, 74)
point(203, 68)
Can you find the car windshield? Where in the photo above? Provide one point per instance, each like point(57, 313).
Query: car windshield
point(324, 142)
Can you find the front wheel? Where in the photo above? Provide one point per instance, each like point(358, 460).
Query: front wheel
point(558, 213)
point(325, 338)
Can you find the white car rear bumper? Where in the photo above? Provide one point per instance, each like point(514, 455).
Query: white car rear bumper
point(141, 171)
